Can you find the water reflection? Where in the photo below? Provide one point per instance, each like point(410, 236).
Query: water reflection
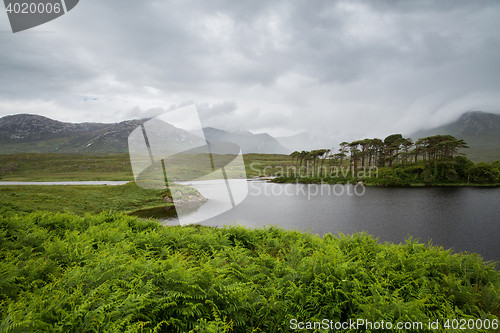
point(461, 218)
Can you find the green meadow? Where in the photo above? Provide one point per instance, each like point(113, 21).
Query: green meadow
point(80, 199)
point(64, 167)
point(110, 272)
point(67, 167)
point(72, 259)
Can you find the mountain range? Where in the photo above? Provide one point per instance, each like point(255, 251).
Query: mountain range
point(480, 130)
point(248, 142)
point(33, 133)
point(25, 133)
point(301, 141)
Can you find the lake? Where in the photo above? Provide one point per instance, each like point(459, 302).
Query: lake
point(462, 218)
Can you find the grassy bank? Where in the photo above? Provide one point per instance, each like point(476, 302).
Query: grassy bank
point(80, 199)
point(371, 181)
point(67, 167)
point(265, 164)
point(115, 273)
point(459, 172)
point(60, 167)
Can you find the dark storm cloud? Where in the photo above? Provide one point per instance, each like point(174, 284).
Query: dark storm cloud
point(333, 68)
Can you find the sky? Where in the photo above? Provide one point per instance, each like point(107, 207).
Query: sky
point(339, 70)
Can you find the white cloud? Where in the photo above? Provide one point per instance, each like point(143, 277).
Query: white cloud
point(346, 69)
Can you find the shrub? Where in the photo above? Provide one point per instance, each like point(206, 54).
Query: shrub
point(115, 273)
point(462, 166)
point(484, 173)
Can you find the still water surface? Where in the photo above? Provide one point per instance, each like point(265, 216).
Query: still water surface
point(461, 218)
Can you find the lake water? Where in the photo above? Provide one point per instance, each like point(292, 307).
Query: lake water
point(462, 218)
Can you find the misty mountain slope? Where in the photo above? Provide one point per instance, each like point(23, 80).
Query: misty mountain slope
point(480, 130)
point(111, 139)
point(38, 134)
point(248, 142)
point(29, 127)
point(26, 133)
point(301, 141)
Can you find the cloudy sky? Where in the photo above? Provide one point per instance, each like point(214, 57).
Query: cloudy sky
point(342, 70)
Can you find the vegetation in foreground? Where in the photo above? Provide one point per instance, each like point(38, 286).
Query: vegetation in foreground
point(116, 273)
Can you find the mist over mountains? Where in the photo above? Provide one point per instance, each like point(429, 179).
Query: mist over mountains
point(38, 134)
point(248, 142)
point(480, 130)
point(301, 141)
point(26, 133)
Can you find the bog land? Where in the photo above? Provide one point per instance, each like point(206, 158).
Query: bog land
point(72, 261)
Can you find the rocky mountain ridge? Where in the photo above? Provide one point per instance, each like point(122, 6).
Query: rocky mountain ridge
point(480, 130)
point(34, 133)
point(477, 123)
point(28, 127)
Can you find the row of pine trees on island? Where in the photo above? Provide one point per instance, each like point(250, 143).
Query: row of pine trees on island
point(394, 161)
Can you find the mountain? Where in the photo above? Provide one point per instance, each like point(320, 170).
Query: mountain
point(248, 142)
point(301, 141)
point(26, 133)
point(32, 133)
point(480, 130)
point(27, 127)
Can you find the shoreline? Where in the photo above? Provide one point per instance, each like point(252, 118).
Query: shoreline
point(279, 180)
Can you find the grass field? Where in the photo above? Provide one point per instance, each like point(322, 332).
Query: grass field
point(265, 164)
point(66, 167)
point(95, 269)
point(89, 199)
point(80, 199)
point(59, 167)
point(114, 273)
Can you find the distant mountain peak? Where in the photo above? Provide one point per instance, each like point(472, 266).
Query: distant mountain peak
point(248, 142)
point(34, 133)
point(300, 141)
point(31, 127)
point(478, 122)
point(480, 130)
point(243, 132)
point(24, 116)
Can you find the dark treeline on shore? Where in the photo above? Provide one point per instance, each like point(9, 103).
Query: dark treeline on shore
point(393, 161)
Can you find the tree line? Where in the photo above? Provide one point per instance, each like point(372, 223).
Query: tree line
point(433, 157)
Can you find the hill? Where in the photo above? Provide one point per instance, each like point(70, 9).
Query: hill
point(248, 142)
point(479, 129)
point(27, 133)
point(301, 141)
